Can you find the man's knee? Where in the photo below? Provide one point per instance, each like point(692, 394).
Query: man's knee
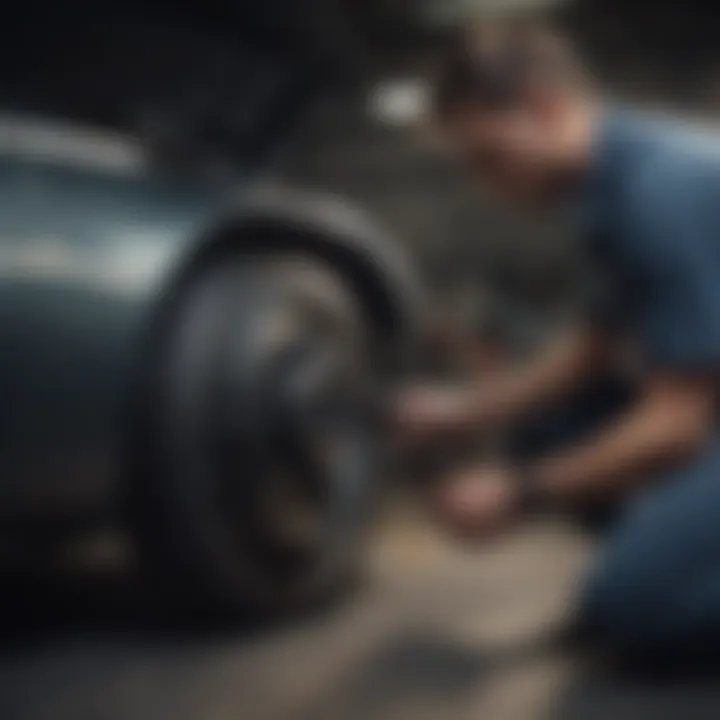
point(647, 630)
point(629, 602)
point(645, 604)
point(657, 586)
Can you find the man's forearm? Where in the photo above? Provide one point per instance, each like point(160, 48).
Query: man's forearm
point(556, 372)
point(660, 431)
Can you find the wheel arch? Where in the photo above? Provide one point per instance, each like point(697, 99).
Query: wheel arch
point(336, 232)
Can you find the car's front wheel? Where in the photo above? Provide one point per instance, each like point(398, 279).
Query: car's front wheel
point(260, 440)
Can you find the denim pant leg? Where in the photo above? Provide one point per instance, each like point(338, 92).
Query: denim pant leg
point(655, 594)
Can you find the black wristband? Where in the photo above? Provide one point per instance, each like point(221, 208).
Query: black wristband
point(531, 499)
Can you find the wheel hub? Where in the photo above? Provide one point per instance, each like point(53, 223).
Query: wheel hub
point(297, 410)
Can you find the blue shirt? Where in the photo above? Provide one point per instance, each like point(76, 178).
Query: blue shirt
point(652, 206)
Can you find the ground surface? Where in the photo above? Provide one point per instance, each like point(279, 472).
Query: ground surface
point(437, 633)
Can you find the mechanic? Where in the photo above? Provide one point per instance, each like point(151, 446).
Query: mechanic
point(620, 408)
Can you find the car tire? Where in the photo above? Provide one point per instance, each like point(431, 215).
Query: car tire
point(190, 531)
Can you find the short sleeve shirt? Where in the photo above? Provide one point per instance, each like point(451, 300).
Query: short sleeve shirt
point(651, 210)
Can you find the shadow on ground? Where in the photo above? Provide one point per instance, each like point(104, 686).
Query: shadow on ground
point(46, 606)
point(89, 643)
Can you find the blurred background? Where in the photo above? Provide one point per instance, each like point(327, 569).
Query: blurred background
point(331, 95)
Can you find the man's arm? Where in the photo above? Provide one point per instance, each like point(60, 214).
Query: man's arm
point(670, 241)
point(557, 371)
point(505, 395)
point(669, 423)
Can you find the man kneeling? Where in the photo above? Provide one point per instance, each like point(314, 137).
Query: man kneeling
point(589, 426)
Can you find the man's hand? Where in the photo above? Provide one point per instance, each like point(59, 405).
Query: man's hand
point(479, 502)
point(430, 413)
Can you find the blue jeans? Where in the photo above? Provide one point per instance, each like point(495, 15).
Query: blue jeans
point(654, 594)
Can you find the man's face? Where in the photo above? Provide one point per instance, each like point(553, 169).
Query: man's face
point(514, 153)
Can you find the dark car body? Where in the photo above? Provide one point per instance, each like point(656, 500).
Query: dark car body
point(98, 258)
point(89, 245)
point(85, 244)
point(135, 144)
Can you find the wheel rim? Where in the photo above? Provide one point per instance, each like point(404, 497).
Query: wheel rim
point(295, 442)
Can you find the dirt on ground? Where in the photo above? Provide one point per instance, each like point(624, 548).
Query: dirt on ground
point(437, 632)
